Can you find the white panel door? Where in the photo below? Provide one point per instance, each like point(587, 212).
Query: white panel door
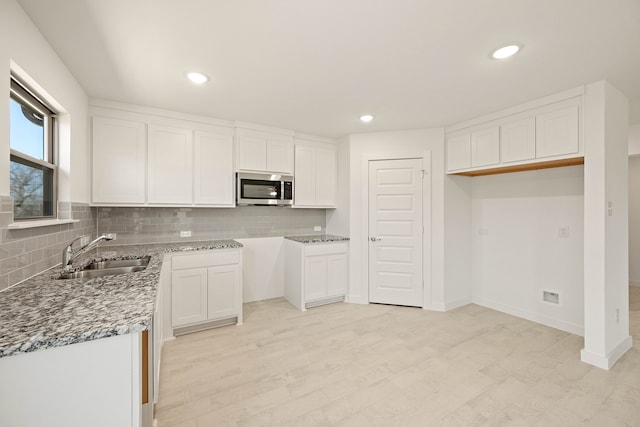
point(305, 182)
point(213, 171)
point(518, 140)
point(459, 152)
point(223, 291)
point(485, 147)
point(337, 275)
point(170, 165)
point(557, 133)
point(119, 161)
point(252, 153)
point(395, 232)
point(315, 277)
point(326, 177)
point(280, 155)
point(188, 296)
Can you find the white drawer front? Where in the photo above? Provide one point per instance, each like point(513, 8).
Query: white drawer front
point(325, 249)
point(210, 259)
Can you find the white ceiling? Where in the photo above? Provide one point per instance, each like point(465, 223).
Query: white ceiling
point(316, 66)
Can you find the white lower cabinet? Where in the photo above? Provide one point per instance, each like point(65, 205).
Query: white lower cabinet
point(315, 274)
point(95, 383)
point(206, 287)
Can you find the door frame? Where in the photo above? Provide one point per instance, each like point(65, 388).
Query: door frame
point(426, 218)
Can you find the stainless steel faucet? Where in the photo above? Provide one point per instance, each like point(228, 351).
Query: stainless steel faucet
point(68, 255)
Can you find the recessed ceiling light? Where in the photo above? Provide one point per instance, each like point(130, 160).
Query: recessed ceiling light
point(197, 78)
point(366, 118)
point(505, 51)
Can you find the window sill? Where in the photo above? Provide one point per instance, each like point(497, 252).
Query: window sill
point(40, 223)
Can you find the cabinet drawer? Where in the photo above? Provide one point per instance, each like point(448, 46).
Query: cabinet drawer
point(180, 262)
point(325, 249)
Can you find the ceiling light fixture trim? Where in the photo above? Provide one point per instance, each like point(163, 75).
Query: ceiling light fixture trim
point(366, 118)
point(506, 51)
point(197, 78)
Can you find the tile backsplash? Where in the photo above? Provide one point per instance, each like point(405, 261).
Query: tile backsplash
point(159, 225)
point(25, 252)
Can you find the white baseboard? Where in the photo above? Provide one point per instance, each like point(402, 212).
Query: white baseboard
point(355, 300)
point(606, 362)
point(452, 305)
point(436, 306)
point(634, 282)
point(529, 315)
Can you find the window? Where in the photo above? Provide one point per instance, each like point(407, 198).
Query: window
point(32, 169)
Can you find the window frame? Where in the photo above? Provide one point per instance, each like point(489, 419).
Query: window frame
point(20, 93)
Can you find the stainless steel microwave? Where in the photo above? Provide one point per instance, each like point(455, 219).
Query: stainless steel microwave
point(264, 189)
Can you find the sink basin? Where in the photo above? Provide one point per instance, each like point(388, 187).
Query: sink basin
point(108, 268)
point(117, 263)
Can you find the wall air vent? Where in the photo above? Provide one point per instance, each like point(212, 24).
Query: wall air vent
point(551, 297)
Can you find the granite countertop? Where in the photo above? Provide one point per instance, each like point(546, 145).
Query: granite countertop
point(320, 238)
point(43, 312)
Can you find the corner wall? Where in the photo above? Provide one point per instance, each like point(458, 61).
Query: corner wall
point(518, 250)
point(634, 221)
point(390, 144)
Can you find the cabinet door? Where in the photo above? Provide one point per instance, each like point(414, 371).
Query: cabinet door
point(223, 291)
point(305, 182)
point(326, 170)
point(557, 133)
point(119, 161)
point(188, 296)
point(252, 153)
point(315, 277)
point(518, 140)
point(485, 147)
point(459, 152)
point(170, 165)
point(337, 275)
point(280, 156)
point(213, 171)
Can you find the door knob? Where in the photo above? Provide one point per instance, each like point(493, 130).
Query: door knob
point(374, 239)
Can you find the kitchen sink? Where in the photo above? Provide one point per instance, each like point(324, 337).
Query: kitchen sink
point(117, 263)
point(108, 268)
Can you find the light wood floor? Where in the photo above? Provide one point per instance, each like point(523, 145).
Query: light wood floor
point(376, 365)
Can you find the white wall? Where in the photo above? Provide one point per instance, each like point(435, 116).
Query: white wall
point(634, 220)
point(391, 144)
point(457, 251)
point(24, 49)
point(517, 249)
point(606, 239)
point(634, 140)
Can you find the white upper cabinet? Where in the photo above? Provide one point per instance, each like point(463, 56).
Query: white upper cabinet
point(264, 152)
point(170, 168)
point(316, 175)
point(557, 133)
point(213, 169)
point(485, 147)
point(518, 140)
point(119, 161)
point(143, 159)
point(543, 133)
point(459, 152)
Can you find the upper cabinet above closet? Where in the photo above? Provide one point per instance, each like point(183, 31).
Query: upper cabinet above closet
point(263, 151)
point(541, 134)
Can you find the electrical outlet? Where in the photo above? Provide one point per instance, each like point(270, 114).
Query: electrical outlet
point(317, 228)
point(563, 232)
point(186, 233)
